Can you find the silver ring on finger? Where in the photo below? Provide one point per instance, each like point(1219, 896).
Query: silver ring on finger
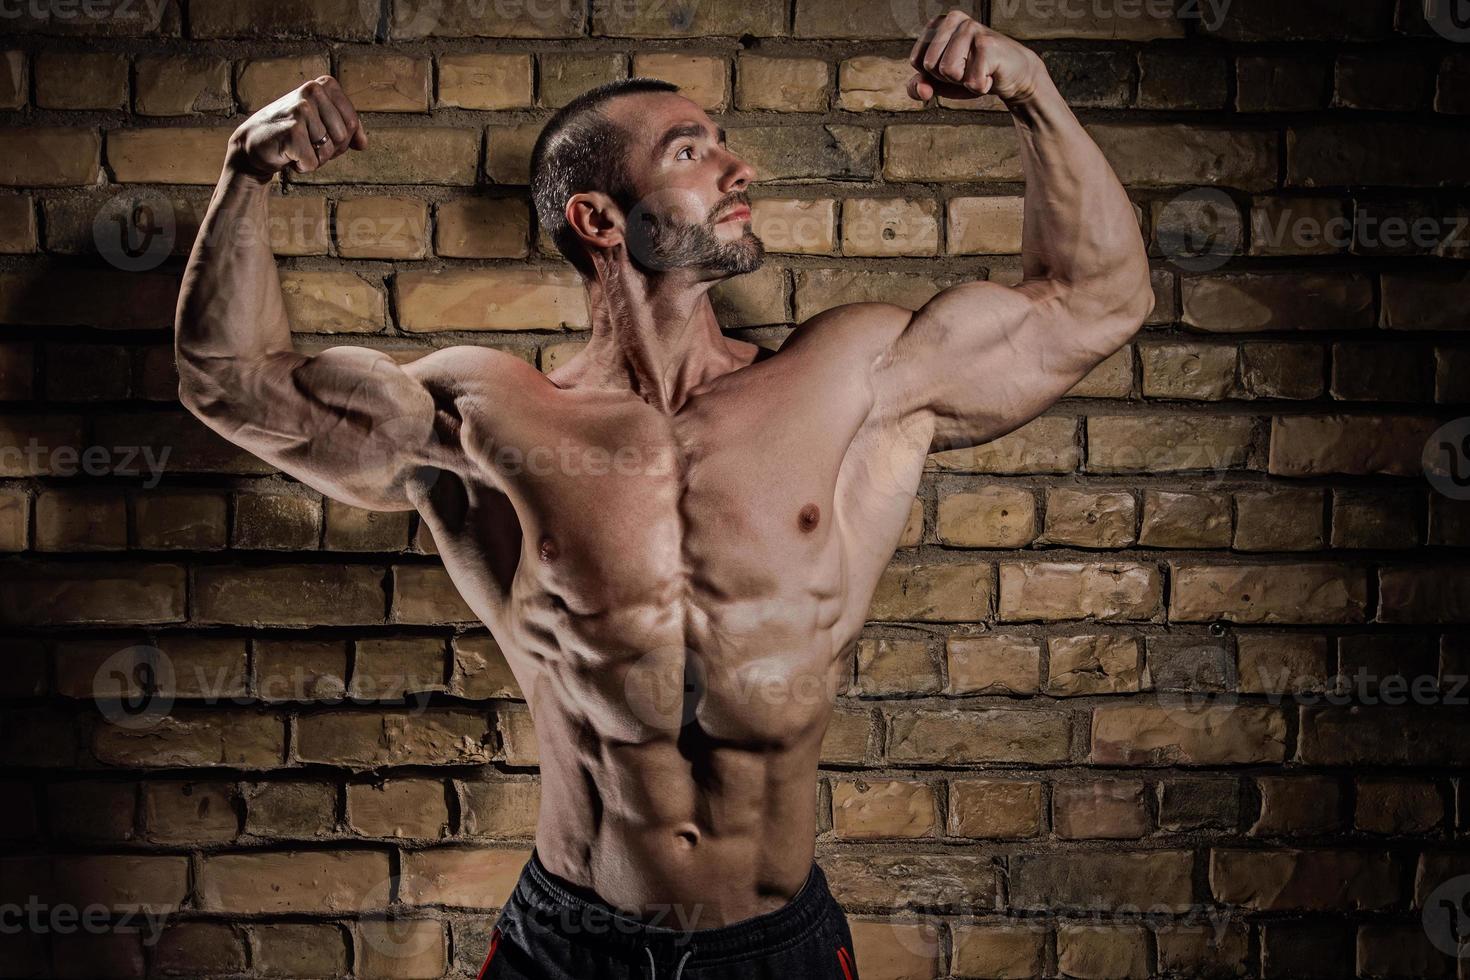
point(319, 143)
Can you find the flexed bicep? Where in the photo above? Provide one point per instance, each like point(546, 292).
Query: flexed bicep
point(981, 359)
point(348, 421)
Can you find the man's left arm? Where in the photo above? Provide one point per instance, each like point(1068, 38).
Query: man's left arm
point(981, 358)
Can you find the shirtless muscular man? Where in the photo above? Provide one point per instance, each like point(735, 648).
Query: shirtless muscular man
point(729, 546)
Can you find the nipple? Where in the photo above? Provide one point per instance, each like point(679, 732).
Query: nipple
point(809, 516)
point(548, 550)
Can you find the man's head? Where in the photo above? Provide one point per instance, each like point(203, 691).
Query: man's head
point(632, 161)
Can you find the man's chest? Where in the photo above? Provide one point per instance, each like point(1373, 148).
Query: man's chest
point(758, 485)
point(734, 495)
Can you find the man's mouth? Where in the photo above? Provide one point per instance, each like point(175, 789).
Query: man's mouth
point(740, 213)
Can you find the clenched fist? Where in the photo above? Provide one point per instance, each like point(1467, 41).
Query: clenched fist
point(959, 58)
point(303, 129)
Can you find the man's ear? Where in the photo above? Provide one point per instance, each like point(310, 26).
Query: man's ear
point(595, 217)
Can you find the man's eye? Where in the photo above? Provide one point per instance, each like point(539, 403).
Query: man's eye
point(689, 148)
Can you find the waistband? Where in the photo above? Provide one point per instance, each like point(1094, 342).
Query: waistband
point(580, 916)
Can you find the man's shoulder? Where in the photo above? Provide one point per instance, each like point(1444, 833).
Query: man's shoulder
point(858, 329)
point(470, 364)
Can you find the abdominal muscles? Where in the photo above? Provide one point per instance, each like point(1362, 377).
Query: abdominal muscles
point(679, 733)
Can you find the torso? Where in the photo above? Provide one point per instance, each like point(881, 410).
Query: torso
point(678, 596)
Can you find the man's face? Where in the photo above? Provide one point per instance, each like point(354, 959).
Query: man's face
point(691, 208)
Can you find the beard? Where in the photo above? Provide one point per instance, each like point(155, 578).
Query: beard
point(663, 242)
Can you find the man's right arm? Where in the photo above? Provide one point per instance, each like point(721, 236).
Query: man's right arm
point(349, 421)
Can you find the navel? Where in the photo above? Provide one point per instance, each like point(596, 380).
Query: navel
point(808, 518)
point(548, 549)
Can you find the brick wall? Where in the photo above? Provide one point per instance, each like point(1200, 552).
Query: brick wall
point(1165, 683)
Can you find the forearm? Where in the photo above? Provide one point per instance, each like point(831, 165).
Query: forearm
point(1079, 227)
point(231, 316)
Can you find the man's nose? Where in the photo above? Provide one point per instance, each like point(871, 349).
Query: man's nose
point(738, 175)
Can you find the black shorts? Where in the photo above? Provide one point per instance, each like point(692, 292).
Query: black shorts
point(552, 929)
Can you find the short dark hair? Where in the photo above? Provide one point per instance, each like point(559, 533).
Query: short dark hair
point(579, 150)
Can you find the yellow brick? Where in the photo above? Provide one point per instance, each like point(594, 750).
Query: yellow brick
point(81, 520)
point(81, 80)
point(182, 85)
point(994, 808)
point(332, 302)
point(1081, 665)
point(485, 81)
point(483, 227)
point(781, 84)
point(887, 665)
point(872, 82)
point(555, 355)
point(263, 80)
point(405, 155)
point(385, 82)
point(171, 155)
point(298, 224)
point(993, 664)
point(508, 152)
point(800, 227)
point(991, 517)
point(984, 225)
point(705, 81)
point(1089, 518)
point(17, 224)
point(12, 79)
point(886, 226)
point(382, 228)
point(1044, 445)
point(967, 152)
point(876, 809)
point(493, 299)
point(566, 75)
point(49, 156)
point(897, 949)
point(1009, 952)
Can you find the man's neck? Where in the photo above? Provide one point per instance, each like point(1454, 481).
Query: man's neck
point(652, 334)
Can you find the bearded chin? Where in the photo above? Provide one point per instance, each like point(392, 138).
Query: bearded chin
point(661, 244)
